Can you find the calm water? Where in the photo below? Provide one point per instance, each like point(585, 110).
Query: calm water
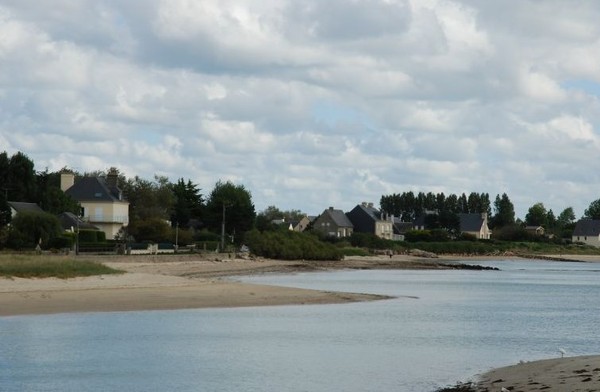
point(461, 323)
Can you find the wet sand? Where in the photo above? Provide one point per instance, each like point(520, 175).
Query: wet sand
point(569, 374)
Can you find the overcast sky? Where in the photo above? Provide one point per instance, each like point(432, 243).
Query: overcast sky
point(312, 103)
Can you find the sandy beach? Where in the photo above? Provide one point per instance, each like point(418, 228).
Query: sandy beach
point(203, 281)
point(181, 282)
point(191, 281)
point(569, 374)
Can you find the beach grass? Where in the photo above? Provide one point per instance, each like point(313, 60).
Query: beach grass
point(44, 266)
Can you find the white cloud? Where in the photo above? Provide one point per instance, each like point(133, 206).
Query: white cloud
point(312, 103)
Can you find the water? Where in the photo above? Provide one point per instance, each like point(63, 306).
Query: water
point(460, 323)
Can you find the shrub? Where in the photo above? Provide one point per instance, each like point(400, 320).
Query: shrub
point(417, 235)
point(61, 242)
point(88, 235)
point(289, 245)
point(28, 228)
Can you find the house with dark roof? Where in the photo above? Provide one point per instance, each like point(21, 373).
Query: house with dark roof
point(303, 223)
point(334, 223)
point(367, 219)
point(101, 200)
point(588, 232)
point(475, 224)
point(17, 206)
point(71, 222)
point(400, 228)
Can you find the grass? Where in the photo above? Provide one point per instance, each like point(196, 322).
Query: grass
point(44, 266)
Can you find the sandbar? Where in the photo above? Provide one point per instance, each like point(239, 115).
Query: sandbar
point(569, 374)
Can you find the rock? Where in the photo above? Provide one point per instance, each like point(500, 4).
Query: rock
point(422, 253)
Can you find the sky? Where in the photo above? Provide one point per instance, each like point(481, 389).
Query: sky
point(312, 103)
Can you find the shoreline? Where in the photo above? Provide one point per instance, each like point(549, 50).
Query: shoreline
point(160, 282)
point(181, 282)
point(571, 374)
point(197, 281)
point(209, 281)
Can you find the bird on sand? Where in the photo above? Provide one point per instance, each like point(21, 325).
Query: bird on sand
point(562, 352)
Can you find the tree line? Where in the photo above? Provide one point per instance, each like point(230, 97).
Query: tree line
point(157, 207)
point(441, 211)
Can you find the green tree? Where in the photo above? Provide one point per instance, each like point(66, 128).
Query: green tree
point(265, 218)
point(504, 211)
point(149, 202)
point(565, 223)
point(188, 202)
point(29, 228)
point(239, 209)
point(537, 215)
point(17, 182)
point(21, 181)
point(149, 199)
point(49, 196)
point(566, 217)
point(151, 229)
point(593, 211)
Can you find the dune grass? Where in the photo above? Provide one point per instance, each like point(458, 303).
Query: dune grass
point(43, 266)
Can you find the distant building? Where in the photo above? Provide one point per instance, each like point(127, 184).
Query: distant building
point(367, 219)
point(588, 232)
point(101, 199)
point(303, 223)
point(17, 206)
point(334, 223)
point(476, 225)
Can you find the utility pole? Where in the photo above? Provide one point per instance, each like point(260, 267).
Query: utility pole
point(223, 230)
point(176, 237)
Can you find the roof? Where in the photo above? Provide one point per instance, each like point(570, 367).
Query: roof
point(402, 227)
point(69, 220)
point(94, 189)
point(372, 212)
point(24, 207)
point(470, 222)
point(339, 218)
point(589, 227)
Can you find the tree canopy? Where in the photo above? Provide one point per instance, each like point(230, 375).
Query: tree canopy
point(593, 211)
point(239, 209)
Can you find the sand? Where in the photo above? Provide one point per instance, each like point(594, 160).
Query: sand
point(569, 374)
point(188, 281)
point(167, 282)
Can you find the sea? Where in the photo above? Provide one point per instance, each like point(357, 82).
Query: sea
point(442, 327)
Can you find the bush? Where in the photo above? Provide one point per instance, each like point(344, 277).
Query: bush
point(61, 242)
point(289, 245)
point(511, 233)
point(206, 235)
point(208, 245)
point(88, 235)
point(28, 228)
point(417, 235)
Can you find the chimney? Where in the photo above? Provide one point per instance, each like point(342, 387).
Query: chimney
point(484, 216)
point(330, 208)
point(111, 180)
point(370, 205)
point(67, 180)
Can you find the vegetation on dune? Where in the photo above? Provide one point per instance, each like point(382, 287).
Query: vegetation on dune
point(36, 266)
point(290, 245)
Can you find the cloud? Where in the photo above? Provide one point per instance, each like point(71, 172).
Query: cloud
point(311, 104)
